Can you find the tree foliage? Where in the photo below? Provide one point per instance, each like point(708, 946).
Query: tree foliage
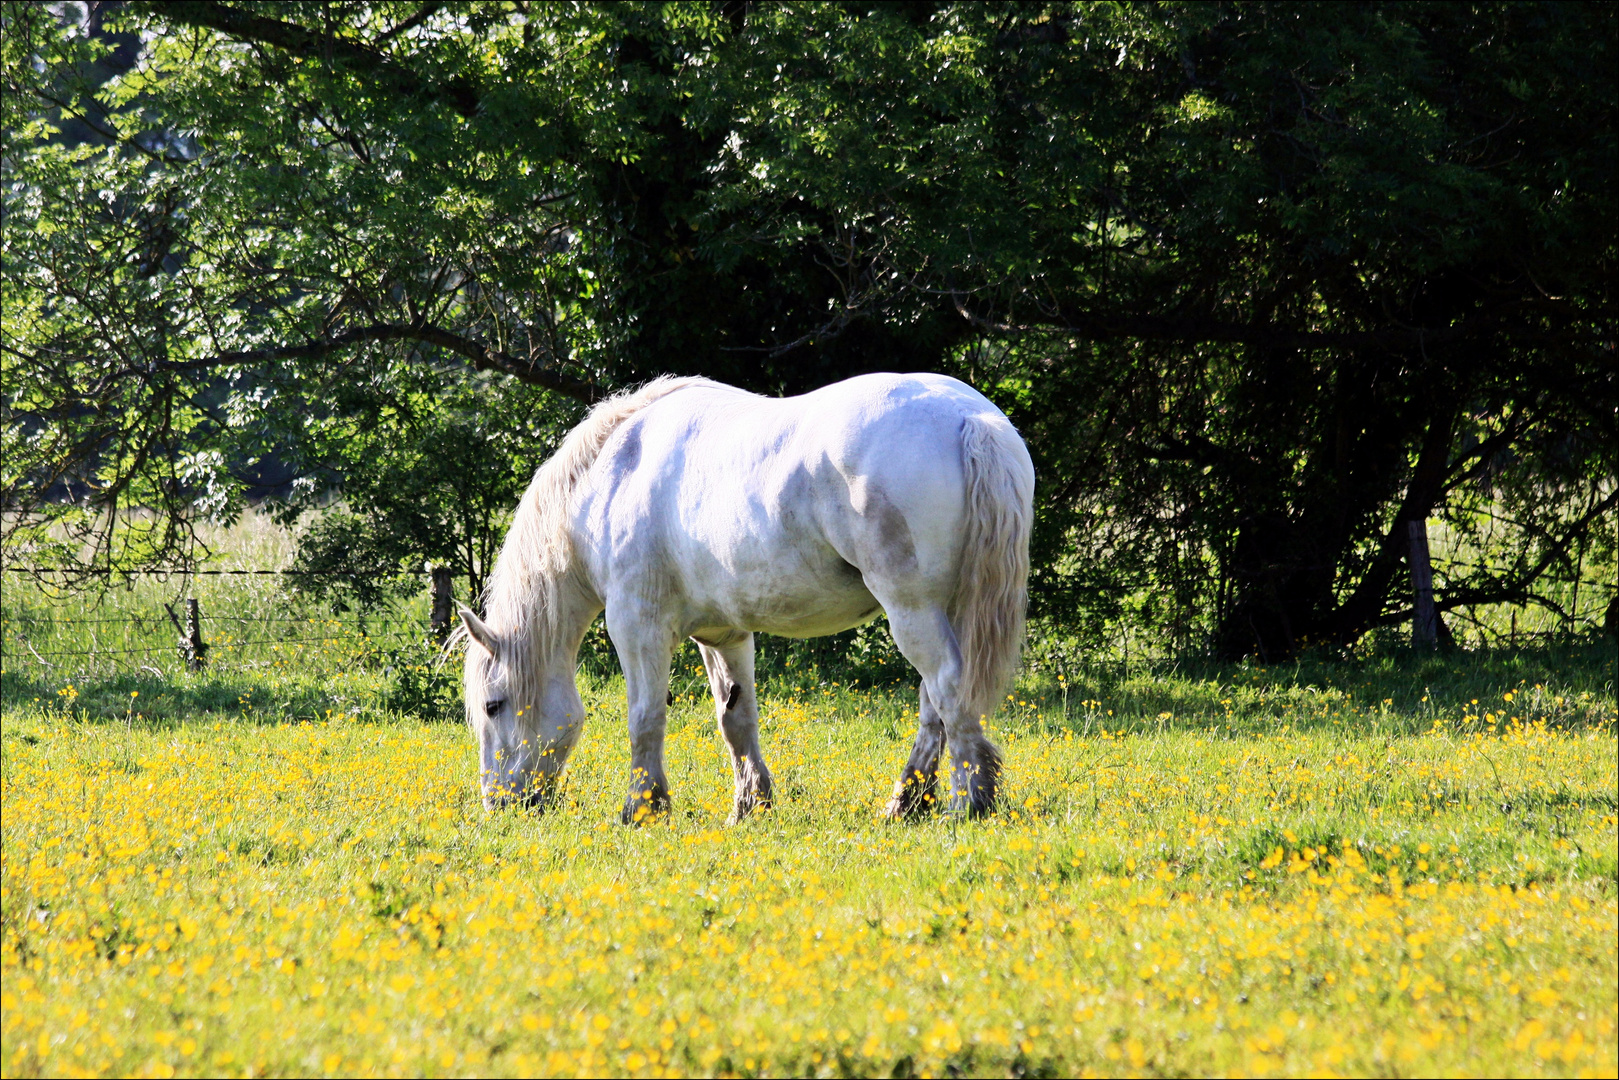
point(438, 463)
point(1261, 283)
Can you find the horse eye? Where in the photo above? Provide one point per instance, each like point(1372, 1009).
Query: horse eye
point(494, 706)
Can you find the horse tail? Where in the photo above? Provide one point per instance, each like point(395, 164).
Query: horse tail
point(987, 613)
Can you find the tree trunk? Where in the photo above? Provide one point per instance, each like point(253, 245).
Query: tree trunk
point(1257, 623)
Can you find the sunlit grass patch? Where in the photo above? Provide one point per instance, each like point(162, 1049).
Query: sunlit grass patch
point(221, 890)
point(279, 864)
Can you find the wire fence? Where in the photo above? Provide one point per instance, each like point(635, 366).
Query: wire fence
point(227, 626)
point(180, 572)
point(232, 627)
point(214, 646)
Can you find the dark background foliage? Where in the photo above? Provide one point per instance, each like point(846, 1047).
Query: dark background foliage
point(1262, 284)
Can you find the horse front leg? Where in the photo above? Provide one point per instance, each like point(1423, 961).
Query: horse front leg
point(646, 655)
point(736, 703)
point(916, 793)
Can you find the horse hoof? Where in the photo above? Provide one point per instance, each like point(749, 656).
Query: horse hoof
point(899, 809)
point(911, 801)
point(747, 804)
point(643, 807)
point(971, 809)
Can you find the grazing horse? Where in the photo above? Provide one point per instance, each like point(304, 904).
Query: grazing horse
point(688, 508)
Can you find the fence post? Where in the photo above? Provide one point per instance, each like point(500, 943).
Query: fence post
point(1425, 620)
point(192, 646)
point(443, 603)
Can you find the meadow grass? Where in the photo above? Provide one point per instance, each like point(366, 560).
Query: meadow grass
point(279, 865)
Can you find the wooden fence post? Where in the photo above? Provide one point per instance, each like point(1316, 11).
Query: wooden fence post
point(1424, 619)
point(196, 648)
point(193, 650)
point(443, 615)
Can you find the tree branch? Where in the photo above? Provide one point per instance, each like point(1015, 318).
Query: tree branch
point(411, 23)
point(1197, 329)
point(458, 93)
point(1513, 589)
point(1359, 610)
point(1468, 465)
point(481, 356)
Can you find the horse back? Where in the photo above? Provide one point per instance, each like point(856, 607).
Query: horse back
point(753, 509)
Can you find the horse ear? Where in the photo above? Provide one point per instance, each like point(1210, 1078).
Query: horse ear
point(478, 629)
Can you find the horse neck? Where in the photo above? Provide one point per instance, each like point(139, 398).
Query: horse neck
point(559, 631)
point(542, 586)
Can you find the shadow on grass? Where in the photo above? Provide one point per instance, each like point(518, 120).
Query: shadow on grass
point(149, 700)
point(409, 680)
point(1569, 685)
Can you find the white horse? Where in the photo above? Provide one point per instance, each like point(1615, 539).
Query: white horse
point(693, 509)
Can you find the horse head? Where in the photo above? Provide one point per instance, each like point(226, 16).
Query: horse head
point(526, 717)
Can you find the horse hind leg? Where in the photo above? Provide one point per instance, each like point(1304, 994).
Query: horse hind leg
point(926, 638)
point(976, 773)
point(915, 793)
point(736, 706)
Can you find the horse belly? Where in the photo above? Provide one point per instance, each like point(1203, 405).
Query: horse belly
point(788, 595)
point(816, 616)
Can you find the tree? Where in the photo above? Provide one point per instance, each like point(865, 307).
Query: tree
point(1261, 283)
point(432, 475)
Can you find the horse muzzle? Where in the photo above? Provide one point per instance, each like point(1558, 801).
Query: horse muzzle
point(518, 791)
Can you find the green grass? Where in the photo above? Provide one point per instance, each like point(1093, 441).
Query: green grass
point(279, 865)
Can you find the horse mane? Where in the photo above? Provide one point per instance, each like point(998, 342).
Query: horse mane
point(521, 596)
